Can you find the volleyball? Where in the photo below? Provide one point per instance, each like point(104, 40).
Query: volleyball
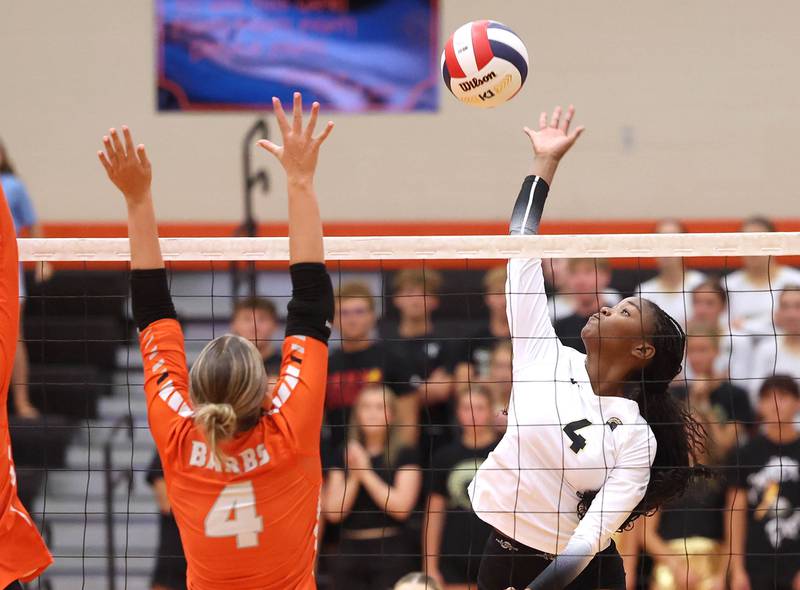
point(484, 64)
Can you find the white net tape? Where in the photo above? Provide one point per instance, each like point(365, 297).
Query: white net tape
point(428, 247)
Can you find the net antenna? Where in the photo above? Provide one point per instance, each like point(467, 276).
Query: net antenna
point(258, 179)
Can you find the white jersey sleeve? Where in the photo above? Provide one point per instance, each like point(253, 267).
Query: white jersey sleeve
point(622, 491)
point(532, 334)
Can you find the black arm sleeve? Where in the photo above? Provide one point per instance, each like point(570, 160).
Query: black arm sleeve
point(529, 207)
point(150, 297)
point(311, 307)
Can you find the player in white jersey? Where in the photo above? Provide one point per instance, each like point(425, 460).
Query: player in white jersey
point(594, 440)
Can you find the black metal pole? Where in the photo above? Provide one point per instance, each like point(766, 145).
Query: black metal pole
point(110, 484)
point(109, 501)
point(253, 180)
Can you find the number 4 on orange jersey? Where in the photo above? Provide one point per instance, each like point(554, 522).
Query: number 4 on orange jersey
point(234, 515)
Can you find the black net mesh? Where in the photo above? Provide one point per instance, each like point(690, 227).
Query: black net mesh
point(419, 386)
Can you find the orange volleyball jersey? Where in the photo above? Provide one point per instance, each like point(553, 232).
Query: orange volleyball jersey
point(251, 523)
point(23, 554)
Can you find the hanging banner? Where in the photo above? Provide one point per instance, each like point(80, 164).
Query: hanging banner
point(350, 55)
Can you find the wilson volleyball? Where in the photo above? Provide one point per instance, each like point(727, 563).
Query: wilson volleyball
point(484, 64)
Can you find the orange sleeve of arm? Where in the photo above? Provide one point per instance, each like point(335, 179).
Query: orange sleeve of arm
point(166, 377)
point(297, 402)
point(9, 296)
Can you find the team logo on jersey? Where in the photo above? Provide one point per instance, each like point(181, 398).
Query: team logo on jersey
point(507, 545)
point(613, 423)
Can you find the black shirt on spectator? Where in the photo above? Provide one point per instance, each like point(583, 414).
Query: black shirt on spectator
point(170, 566)
point(568, 330)
point(464, 535)
point(272, 364)
point(699, 512)
point(729, 402)
point(477, 350)
point(769, 474)
point(366, 513)
point(426, 354)
point(348, 373)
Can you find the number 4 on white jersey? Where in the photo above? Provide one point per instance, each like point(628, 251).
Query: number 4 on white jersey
point(234, 515)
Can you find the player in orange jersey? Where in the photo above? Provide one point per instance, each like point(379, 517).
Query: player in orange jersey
point(23, 554)
point(241, 463)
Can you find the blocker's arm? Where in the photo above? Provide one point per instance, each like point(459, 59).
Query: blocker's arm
point(129, 169)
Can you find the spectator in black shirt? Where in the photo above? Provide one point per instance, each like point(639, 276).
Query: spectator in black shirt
point(499, 382)
point(170, 568)
point(473, 359)
point(587, 291)
point(763, 529)
point(685, 536)
point(256, 319)
point(721, 407)
point(363, 360)
point(371, 491)
point(454, 536)
point(416, 339)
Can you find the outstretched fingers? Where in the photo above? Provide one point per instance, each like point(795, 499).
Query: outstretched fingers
point(297, 113)
point(565, 122)
point(280, 115)
point(104, 161)
point(142, 154)
point(126, 133)
point(573, 137)
point(556, 117)
point(117, 144)
point(312, 120)
point(325, 133)
point(543, 120)
point(111, 154)
point(272, 148)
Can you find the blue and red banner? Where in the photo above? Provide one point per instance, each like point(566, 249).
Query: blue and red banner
point(350, 55)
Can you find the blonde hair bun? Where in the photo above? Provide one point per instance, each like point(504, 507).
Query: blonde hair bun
point(227, 387)
point(217, 421)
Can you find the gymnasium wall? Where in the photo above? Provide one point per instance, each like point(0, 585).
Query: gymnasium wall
point(691, 109)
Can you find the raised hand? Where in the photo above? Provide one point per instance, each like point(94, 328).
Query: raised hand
point(300, 150)
point(127, 165)
point(553, 139)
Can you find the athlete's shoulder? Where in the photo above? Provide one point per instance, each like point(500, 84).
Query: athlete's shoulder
point(627, 423)
point(164, 325)
point(734, 280)
point(694, 278)
point(10, 183)
point(790, 275)
point(649, 286)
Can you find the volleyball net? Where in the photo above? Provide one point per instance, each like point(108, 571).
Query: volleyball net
point(424, 318)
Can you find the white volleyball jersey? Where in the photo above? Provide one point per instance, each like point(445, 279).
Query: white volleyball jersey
point(561, 439)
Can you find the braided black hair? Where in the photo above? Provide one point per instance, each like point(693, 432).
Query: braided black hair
point(679, 437)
